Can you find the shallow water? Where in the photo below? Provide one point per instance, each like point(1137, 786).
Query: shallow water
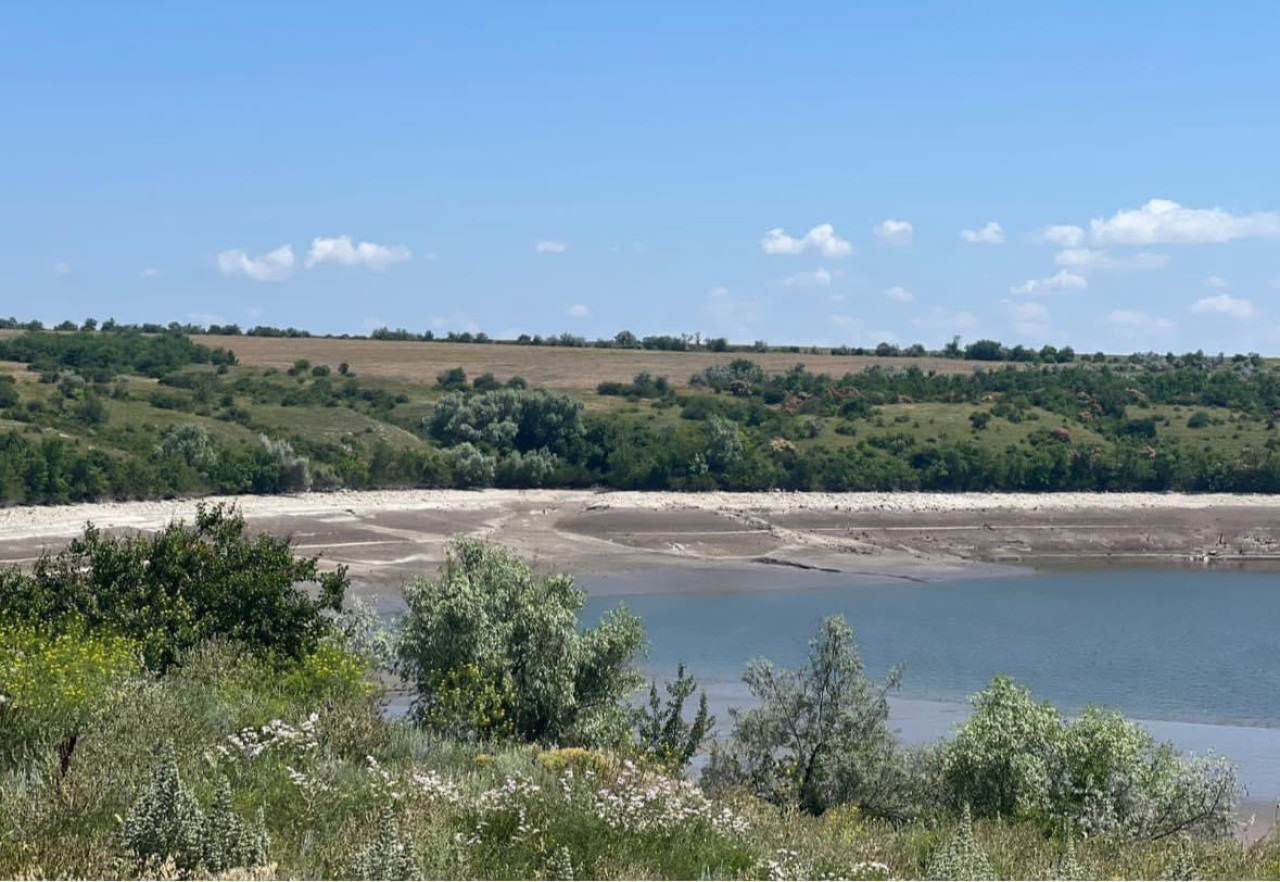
point(1194, 653)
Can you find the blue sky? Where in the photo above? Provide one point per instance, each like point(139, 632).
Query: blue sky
point(726, 168)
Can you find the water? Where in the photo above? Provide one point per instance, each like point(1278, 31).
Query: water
point(1194, 653)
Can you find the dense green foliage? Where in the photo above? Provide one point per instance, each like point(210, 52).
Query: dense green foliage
point(180, 587)
point(237, 756)
point(101, 357)
point(496, 650)
point(118, 413)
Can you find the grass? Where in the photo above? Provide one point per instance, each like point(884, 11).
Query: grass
point(555, 367)
point(472, 810)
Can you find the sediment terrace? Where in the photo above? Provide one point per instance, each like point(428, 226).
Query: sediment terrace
point(386, 536)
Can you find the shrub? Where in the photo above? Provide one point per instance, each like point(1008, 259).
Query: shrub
point(664, 735)
point(453, 378)
point(1019, 759)
point(531, 469)
point(181, 586)
point(190, 444)
point(1198, 420)
point(387, 856)
point(820, 735)
point(488, 622)
point(166, 823)
point(509, 419)
point(471, 467)
point(56, 685)
point(961, 858)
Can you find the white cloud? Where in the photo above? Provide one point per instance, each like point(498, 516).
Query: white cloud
point(341, 250)
point(579, 310)
point(150, 272)
point(550, 246)
point(1031, 317)
point(818, 277)
point(205, 318)
point(61, 269)
point(274, 266)
point(1217, 282)
point(822, 239)
point(1131, 322)
point(1225, 304)
point(991, 234)
point(899, 294)
point(254, 312)
point(1062, 280)
point(1085, 259)
point(1165, 221)
point(1066, 235)
point(894, 232)
point(941, 319)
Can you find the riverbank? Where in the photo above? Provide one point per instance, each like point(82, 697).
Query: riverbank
point(386, 535)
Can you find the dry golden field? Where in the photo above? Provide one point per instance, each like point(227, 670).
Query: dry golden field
point(565, 368)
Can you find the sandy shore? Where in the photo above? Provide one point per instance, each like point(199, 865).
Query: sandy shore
point(388, 535)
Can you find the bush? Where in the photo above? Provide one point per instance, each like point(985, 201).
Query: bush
point(512, 639)
point(166, 823)
point(1198, 420)
point(1018, 759)
point(820, 736)
point(56, 685)
point(453, 378)
point(471, 467)
point(190, 444)
point(531, 469)
point(181, 586)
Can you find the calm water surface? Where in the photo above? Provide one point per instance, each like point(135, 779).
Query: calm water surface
point(1195, 653)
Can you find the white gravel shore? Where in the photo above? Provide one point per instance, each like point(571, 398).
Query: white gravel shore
point(65, 520)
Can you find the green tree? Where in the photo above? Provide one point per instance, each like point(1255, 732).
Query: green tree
point(181, 586)
point(514, 640)
point(664, 734)
point(819, 736)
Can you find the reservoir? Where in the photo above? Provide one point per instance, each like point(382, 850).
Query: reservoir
point(1194, 654)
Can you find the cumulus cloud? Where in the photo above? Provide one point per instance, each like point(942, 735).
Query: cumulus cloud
point(579, 310)
point(991, 234)
point(899, 294)
point(1066, 235)
point(274, 266)
point(894, 232)
point(1165, 221)
point(1225, 304)
point(341, 250)
point(1217, 282)
point(550, 246)
point(1062, 280)
point(818, 277)
point(1085, 259)
point(822, 239)
point(1134, 323)
point(61, 269)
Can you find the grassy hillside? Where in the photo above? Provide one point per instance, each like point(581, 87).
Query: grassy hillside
point(123, 414)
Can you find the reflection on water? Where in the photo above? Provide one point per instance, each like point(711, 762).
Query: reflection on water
point(1193, 651)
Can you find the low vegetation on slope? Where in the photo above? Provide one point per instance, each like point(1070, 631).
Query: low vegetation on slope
point(120, 414)
point(238, 728)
